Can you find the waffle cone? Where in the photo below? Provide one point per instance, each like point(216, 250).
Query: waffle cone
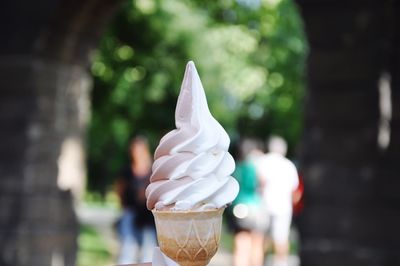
point(189, 238)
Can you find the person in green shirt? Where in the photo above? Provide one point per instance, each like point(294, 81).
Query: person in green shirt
point(246, 218)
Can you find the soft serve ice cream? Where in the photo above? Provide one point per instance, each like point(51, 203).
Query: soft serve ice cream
point(190, 182)
point(192, 168)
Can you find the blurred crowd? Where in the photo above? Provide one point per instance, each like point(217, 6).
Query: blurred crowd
point(259, 218)
point(261, 215)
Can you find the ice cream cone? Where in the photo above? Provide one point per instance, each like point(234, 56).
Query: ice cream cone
point(190, 238)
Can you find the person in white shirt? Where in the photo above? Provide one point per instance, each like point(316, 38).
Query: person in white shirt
point(279, 178)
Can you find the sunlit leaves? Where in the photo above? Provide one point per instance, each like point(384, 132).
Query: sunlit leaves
point(124, 52)
point(98, 68)
point(249, 53)
point(145, 6)
point(275, 80)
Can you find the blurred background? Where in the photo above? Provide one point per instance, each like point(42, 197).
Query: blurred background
point(80, 78)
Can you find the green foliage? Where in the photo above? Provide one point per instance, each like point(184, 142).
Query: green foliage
point(249, 53)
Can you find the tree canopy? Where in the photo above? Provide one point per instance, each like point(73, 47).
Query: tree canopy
point(249, 53)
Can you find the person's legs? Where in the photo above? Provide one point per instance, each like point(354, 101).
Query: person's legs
point(266, 228)
point(148, 243)
point(242, 249)
point(281, 253)
point(129, 245)
point(257, 248)
point(267, 243)
point(280, 237)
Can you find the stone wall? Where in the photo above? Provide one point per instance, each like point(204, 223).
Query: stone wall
point(44, 85)
point(40, 107)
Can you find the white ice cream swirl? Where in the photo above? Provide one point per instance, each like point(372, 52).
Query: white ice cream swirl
point(192, 165)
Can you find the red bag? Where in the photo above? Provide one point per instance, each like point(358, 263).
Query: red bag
point(297, 196)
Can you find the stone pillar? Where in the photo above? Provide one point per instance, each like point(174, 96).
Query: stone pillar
point(42, 104)
point(351, 214)
point(44, 54)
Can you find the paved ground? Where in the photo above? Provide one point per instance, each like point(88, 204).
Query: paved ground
point(224, 258)
point(102, 219)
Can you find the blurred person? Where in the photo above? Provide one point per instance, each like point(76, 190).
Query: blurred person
point(136, 226)
point(245, 216)
point(280, 179)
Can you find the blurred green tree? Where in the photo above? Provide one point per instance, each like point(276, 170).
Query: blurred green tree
point(250, 55)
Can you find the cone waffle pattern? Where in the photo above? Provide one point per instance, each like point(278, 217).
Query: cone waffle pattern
point(189, 238)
